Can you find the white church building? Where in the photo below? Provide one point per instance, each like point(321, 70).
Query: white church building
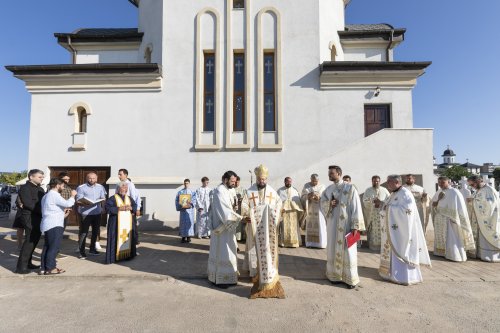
point(205, 86)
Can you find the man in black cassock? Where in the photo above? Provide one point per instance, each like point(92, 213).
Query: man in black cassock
point(120, 206)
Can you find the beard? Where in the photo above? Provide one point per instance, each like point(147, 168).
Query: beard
point(260, 187)
point(288, 185)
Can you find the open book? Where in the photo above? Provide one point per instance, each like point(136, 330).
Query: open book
point(352, 239)
point(87, 202)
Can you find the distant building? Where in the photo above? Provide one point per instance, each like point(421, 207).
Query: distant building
point(449, 161)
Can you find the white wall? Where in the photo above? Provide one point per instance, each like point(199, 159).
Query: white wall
point(365, 54)
point(159, 138)
point(110, 56)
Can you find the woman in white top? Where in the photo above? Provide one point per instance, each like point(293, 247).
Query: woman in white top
point(54, 210)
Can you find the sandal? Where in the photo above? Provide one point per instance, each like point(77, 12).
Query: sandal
point(55, 271)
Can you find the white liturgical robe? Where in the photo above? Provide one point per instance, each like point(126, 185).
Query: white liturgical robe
point(486, 218)
point(222, 260)
point(316, 235)
point(372, 214)
point(422, 202)
point(292, 211)
point(452, 230)
point(342, 261)
point(403, 243)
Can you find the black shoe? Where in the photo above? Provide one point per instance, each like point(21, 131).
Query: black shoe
point(22, 271)
point(31, 266)
point(350, 287)
point(82, 256)
point(188, 240)
point(183, 240)
point(335, 282)
point(94, 253)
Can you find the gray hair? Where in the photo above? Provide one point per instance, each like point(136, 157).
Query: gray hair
point(396, 178)
point(120, 184)
point(314, 176)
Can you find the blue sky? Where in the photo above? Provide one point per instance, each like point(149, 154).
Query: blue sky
point(457, 96)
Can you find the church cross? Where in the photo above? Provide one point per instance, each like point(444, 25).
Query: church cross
point(270, 196)
point(269, 65)
point(269, 104)
point(124, 235)
point(209, 105)
point(253, 198)
point(238, 65)
point(210, 66)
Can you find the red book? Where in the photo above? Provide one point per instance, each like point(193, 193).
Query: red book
point(351, 239)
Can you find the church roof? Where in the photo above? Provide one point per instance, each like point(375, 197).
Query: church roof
point(470, 165)
point(448, 152)
point(101, 35)
point(332, 66)
point(103, 68)
point(134, 2)
point(368, 27)
point(380, 30)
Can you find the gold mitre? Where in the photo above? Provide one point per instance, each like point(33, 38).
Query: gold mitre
point(261, 171)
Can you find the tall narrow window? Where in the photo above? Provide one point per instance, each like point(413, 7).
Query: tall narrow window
point(269, 92)
point(238, 4)
point(209, 93)
point(82, 120)
point(239, 92)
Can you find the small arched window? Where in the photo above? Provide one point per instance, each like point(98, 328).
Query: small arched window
point(81, 120)
point(147, 54)
point(238, 4)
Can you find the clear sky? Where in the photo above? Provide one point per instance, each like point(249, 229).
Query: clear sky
point(457, 96)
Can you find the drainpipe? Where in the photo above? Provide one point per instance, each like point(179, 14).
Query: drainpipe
point(73, 51)
point(391, 40)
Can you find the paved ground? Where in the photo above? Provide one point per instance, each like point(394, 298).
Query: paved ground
point(165, 289)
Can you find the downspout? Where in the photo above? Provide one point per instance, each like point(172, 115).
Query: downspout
point(73, 51)
point(391, 40)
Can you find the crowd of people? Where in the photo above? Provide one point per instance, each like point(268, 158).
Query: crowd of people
point(394, 218)
point(47, 212)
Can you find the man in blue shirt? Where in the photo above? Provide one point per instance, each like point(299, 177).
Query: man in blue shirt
point(90, 212)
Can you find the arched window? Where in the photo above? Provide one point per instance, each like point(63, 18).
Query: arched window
point(82, 120)
point(238, 4)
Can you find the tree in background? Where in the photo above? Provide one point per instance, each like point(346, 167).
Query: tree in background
point(496, 175)
point(13, 177)
point(455, 173)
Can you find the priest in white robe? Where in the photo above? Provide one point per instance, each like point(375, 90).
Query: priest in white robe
point(403, 243)
point(421, 199)
point(486, 218)
point(291, 214)
point(202, 205)
point(341, 206)
point(452, 230)
point(222, 260)
point(371, 212)
point(261, 207)
point(315, 223)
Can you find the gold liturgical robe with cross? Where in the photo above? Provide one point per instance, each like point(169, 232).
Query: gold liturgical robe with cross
point(124, 239)
point(263, 206)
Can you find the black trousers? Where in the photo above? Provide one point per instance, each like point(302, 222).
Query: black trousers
point(53, 238)
point(31, 227)
point(86, 222)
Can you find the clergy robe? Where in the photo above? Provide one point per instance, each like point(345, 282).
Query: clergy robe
point(112, 208)
point(486, 217)
point(316, 235)
point(452, 230)
point(222, 260)
point(342, 265)
point(403, 243)
point(372, 214)
point(186, 215)
point(263, 207)
point(291, 214)
point(203, 203)
point(422, 203)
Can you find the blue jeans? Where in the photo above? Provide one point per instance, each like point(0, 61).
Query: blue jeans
point(53, 238)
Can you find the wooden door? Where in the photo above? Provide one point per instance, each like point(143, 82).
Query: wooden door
point(377, 117)
point(78, 177)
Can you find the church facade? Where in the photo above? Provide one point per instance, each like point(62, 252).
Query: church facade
point(201, 87)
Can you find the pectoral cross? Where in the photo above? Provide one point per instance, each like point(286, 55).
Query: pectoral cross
point(270, 196)
point(124, 235)
point(209, 105)
point(394, 227)
point(253, 198)
point(269, 65)
point(238, 65)
point(210, 66)
point(269, 104)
